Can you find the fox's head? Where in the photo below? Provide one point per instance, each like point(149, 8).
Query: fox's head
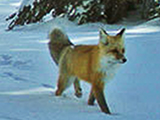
point(112, 47)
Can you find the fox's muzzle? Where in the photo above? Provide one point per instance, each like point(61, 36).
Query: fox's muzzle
point(123, 60)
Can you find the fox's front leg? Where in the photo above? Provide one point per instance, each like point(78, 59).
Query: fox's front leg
point(91, 98)
point(99, 95)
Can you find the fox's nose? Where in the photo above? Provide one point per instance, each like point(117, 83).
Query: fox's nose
point(124, 60)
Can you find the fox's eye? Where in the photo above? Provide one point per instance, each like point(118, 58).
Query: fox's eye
point(114, 51)
point(106, 43)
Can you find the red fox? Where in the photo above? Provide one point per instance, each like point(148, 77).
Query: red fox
point(95, 64)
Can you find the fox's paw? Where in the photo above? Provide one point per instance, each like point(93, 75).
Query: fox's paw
point(78, 93)
point(90, 103)
point(58, 93)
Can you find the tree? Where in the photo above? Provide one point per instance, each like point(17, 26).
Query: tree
point(147, 6)
point(81, 11)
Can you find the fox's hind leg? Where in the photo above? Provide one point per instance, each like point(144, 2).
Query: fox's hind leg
point(77, 87)
point(63, 83)
point(60, 85)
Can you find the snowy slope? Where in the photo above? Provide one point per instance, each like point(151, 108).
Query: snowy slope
point(28, 75)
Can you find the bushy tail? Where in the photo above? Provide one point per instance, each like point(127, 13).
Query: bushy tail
point(58, 42)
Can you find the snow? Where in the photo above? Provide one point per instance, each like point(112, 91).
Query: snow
point(28, 75)
point(25, 3)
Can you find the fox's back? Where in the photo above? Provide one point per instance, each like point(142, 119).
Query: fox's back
point(81, 60)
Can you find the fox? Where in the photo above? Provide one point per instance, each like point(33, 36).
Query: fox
point(94, 64)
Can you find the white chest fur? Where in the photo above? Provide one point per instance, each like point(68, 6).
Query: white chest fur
point(108, 68)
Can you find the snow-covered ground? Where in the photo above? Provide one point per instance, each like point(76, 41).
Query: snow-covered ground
point(28, 75)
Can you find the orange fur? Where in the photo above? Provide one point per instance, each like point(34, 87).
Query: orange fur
point(94, 64)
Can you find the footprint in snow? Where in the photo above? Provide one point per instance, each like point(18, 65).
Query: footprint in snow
point(19, 64)
point(5, 60)
point(22, 65)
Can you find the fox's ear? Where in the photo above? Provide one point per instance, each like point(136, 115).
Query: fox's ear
point(102, 32)
point(121, 32)
point(103, 35)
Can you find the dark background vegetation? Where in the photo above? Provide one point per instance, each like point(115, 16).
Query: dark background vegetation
point(84, 11)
